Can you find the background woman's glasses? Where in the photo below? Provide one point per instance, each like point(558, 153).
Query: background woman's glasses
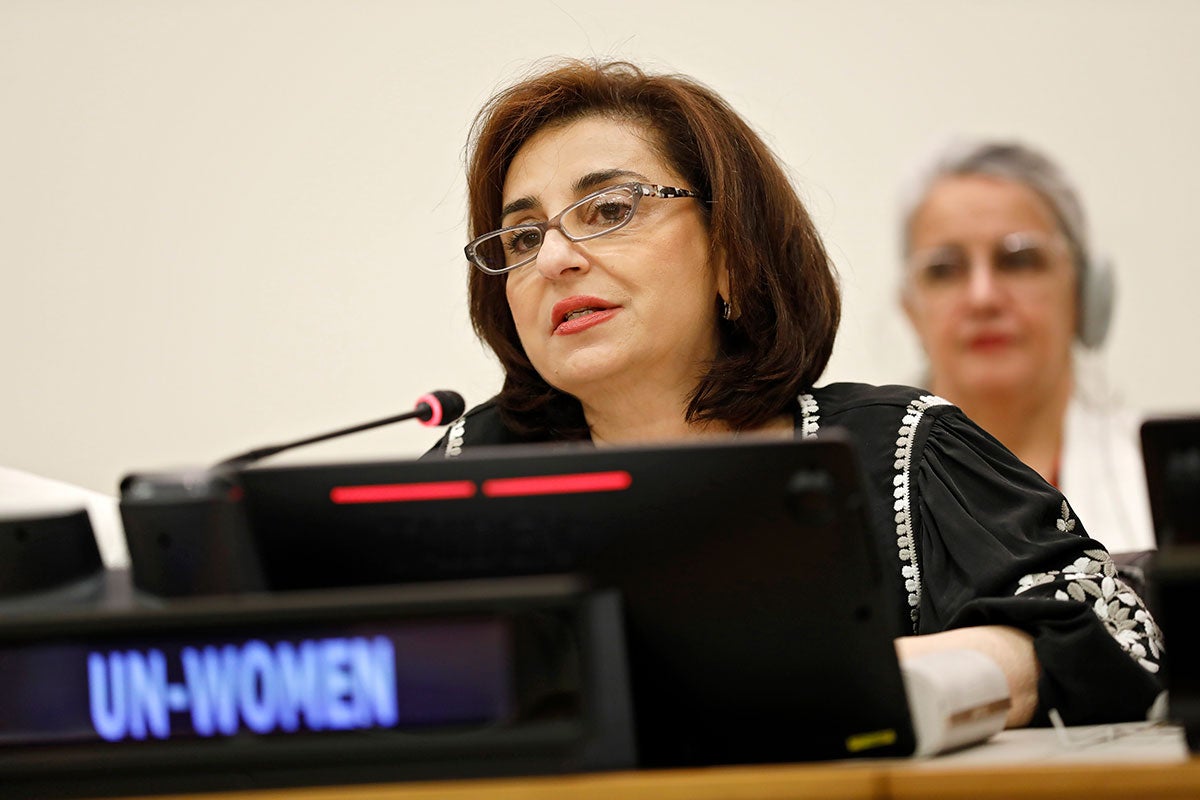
point(1015, 259)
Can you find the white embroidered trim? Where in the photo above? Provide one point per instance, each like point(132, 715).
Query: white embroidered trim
point(454, 439)
point(1092, 578)
point(905, 538)
point(808, 416)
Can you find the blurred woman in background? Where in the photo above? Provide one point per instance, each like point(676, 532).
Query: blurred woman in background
point(1000, 286)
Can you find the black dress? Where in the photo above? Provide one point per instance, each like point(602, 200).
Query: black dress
point(977, 538)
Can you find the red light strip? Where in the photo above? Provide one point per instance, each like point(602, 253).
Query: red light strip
point(402, 492)
point(577, 483)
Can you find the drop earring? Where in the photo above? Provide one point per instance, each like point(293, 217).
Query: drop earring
point(726, 310)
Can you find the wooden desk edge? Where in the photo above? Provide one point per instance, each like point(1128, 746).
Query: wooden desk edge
point(1099, 781)
point(898, 780)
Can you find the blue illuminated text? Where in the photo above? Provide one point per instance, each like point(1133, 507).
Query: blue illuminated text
point(313, 684)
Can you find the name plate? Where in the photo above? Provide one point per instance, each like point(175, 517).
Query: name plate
point(290, 680)
point(449, 680)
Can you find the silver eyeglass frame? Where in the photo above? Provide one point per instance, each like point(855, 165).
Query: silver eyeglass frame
point(638, 189)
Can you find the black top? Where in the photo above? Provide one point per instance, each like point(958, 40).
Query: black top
point(978, 538)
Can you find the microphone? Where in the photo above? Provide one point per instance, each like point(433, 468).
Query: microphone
point(435, 408)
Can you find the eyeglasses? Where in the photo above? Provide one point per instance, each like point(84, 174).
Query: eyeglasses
point(1017, 259)
point(595, 215)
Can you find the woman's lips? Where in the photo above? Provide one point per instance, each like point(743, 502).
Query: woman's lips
point(585, 321)
point(576, 314)
point(989, 341)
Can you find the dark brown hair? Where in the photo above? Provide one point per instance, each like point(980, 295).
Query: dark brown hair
point(783, 287)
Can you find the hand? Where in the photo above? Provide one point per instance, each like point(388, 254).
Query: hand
point(1011, 649)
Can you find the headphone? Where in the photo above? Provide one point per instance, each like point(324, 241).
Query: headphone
point(1097, 294)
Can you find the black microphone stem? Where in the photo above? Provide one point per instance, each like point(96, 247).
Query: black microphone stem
point(263, 452)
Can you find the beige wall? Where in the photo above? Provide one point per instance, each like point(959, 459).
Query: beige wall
point(229, 223)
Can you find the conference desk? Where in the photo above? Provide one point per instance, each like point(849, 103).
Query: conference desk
point(1136, 760)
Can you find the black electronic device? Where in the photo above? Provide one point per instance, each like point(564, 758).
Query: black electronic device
point(187, 534)
point(759, 623)
point(48, 557)
point(482, 678)
point(186, 529)
point(1171, 453)
point(1175, 584)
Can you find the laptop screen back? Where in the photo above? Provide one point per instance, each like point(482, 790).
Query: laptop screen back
point(759, 623)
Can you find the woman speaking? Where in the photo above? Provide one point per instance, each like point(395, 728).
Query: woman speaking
point(645, 272)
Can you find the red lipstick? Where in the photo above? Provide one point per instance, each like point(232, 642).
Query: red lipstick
point(578, 313)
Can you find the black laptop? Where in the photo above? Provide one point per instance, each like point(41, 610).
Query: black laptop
point(759, 622)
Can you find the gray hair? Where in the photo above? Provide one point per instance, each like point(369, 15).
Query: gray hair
point(1009, 160)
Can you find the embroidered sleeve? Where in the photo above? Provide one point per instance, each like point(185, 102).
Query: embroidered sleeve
point(1092, 579)
point(998, 545)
